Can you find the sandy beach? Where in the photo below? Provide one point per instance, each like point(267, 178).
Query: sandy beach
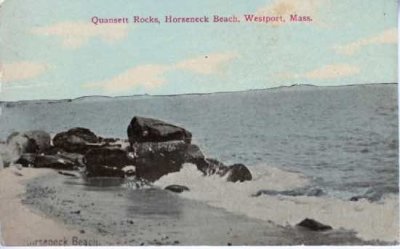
point(68, 211)
point(19, 224)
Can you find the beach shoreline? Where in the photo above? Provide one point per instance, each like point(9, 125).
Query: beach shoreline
point(20, 225)
point(66, 210)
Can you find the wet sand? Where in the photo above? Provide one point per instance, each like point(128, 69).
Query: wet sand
point(106, 213)
point(21, 225)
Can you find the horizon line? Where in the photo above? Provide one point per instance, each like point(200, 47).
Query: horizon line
point(194, 93)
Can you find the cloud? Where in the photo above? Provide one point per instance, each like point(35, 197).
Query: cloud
point(326, 72)
point(387, 37)
point(153, 75)
point(24, 70)
point(76, 34)
point(332, 72)
point(149, 76)
point(288, 7)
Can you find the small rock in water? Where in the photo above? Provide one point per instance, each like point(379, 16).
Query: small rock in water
point(371, 195)
point(177, 188)
point(67, 174)
point(314, 225)
point(239, 172)
point(82, 231)
point(355, 198)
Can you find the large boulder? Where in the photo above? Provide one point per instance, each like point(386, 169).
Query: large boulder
point(153, 160)
point(108, 162)
point(78, 140)
point(19, 143)
point(41, 138)
point(143, 129)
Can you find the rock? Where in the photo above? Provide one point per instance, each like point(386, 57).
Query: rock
point(30, 141)
point(78, 140)
point(11, 136)
point(41, 138)
point(313, 225)
point(371, 195)
point(54, 162)
point(53, 151)
point(210, 166)
point(234, 173)
point(143, 129)
point(295, 192)
point(238, 172)
point(355, 198)
point(177, 188)
point(19, 143)
point(76, 212)
point(154, 160)
point(76, 158)
point(107, 162)
point(116, 143)
point(193, 154)
point(66, 173)
point(27, 159)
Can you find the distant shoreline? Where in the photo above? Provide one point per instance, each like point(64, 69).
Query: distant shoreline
point(190, 94)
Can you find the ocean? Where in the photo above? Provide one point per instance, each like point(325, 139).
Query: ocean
point(341, 140)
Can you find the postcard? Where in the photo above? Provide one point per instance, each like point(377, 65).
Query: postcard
point(190, 123)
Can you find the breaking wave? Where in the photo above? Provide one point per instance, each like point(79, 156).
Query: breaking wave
point(371, 220)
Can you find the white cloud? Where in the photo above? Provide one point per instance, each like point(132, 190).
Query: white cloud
point(77, 34)
point(148, 76)
point(332, 72)
point(23, 70)
point(153, 75)
point(389, 36)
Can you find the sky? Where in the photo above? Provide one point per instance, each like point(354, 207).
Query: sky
point(51, 49)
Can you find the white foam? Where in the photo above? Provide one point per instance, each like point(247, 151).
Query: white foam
point(370, 220)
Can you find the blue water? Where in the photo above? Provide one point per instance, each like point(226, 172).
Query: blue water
point(344, 138)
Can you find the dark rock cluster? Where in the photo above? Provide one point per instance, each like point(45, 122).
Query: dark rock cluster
point(153, 149)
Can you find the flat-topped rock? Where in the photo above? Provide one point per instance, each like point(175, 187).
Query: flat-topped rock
point(143, 129)
point(78, 140)
point(177, 188)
